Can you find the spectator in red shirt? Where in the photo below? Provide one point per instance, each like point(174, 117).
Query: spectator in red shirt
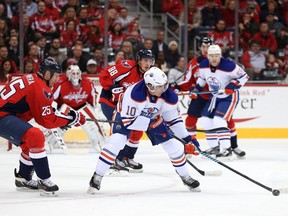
point(115, 36)
point(112, 14)
point(93, 38)
point(267, 40)
point(114, 4)
point(222, 37)
point(41, 22)
point(69, 36)
point(228, 13)
point(95, 11)
point(174, 7)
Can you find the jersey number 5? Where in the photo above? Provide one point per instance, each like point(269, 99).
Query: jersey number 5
point(6, 93)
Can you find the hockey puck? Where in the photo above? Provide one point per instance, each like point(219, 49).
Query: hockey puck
point(276, 192)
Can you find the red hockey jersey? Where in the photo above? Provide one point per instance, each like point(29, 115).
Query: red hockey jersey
point(123, 74)
point(29, 97)
point(66, 93)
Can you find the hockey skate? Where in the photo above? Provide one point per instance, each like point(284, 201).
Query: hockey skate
point(22, 184)
point(94, 183)
point(191, 183)
point(133, 166)
point(118, 169)
point(238, 152)
point(225, 154)
point(212, 151)
point(47, 187)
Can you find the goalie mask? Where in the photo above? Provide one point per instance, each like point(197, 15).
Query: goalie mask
point(155, 77)
point(73, 74)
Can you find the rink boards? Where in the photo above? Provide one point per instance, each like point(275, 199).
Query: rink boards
point(262, 112)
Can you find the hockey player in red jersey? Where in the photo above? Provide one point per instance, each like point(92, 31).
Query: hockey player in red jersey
point(115, 80)
point(22, 99)
point(76, 92)
point(196, 105)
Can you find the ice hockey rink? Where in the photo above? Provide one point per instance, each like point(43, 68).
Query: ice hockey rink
point(158, 190)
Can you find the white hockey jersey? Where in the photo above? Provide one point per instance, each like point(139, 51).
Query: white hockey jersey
point(225, 72)
point(138, 107)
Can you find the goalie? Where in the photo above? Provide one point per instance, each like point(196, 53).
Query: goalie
point(76, 92)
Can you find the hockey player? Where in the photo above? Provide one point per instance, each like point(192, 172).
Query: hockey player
point(22, 99)
point(219, 74)
point(196, 106)
point(77, 92)
point(147, 106)
point(115, 80)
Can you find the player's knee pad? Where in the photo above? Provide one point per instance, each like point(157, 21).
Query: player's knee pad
point(34, 138)
point(207, 123)
point(219, 122)
point(115, 143)
point(190, 122)
point(135, 137)
point(174, 149)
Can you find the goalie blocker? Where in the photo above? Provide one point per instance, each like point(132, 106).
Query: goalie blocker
point(94, 131)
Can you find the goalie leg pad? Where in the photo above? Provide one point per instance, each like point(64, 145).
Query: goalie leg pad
point(94, 130)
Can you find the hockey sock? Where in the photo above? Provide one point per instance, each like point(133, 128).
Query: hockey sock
point(26, 171)
point(234, 142)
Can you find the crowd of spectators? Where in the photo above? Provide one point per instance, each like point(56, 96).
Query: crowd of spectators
point(72, 31)
point(264, 22)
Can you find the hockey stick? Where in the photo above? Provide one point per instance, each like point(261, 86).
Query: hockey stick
point(205, 173)
point(211, 92)
point(275, 192)
point(101, 120)
point(211, 130)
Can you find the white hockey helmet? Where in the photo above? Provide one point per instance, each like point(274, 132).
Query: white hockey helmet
point(214, 49)
point(73, 74)
point(155, 77)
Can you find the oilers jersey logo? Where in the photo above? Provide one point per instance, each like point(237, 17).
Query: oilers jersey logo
point(213, 83)
point(149, 112)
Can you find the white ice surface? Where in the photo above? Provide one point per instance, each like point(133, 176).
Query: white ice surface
point(158, 190)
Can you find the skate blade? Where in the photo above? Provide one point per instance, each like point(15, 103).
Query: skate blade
point(25, 189)
point(92, 190)
point(117, 173)
point(197, 189)
point(135, 170)
point(49, 193)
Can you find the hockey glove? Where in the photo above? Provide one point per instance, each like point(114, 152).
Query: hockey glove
point(194, 90)
point(159, 126)
point(189, 148)
point(231, 87)
point(77, 118)
point(116, 93)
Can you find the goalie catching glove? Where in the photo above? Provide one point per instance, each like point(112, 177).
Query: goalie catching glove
point(75, 119)
point(189, 148)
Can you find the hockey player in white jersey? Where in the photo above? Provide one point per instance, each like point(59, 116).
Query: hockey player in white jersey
point(225, 78)
point(149, 106)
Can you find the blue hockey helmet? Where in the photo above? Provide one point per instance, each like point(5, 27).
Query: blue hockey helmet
point(51, 65)
point(205, 40)
point(145, 53)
